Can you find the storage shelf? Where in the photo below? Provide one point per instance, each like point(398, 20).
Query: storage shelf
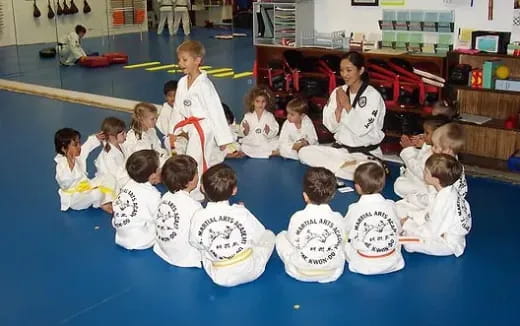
point(489, 90)
point(493, 124)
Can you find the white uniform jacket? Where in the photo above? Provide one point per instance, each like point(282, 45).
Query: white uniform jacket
point(70, 50)
point(257, 143)
point(290, 135)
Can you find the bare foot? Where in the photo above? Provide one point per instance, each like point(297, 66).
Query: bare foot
point(107, 208)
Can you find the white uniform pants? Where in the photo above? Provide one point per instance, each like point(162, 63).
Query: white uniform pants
point(373, 265)
point(165, 14)
point(182, 14)
point(285, 250)
point(334, 159)
point(246, 270)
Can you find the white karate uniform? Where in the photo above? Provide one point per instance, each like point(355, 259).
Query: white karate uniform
point(447, 221)
point(373, 231)
point(165, 13)
point(219, 156)
point(182, 13)
point(76, 190)
point(290, 135)
point(361, 126)
point(172, 230)
point(113, 163)
point(148, 140)
point(411, 180)
point(135, 209)
point(168, 118)
point(70, 49)
point(235, 246)
point(257, 143)
point(201, 100)
point(312, 247)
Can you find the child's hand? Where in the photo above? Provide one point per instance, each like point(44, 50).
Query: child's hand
point(300, 144)
point(172, 139)
point(245, 125)
point(155, 178)
point(223, 147)
point(405, 141)
point(267, 129)
point(418, 140)
point(403, 220)
point(183, 134)
point(101, 136)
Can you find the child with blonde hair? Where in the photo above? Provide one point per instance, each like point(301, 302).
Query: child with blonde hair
point(77, 191)
point(297, 131)
point(112, 158)
point(259, 127)
point(199, 104)
point(142, 133)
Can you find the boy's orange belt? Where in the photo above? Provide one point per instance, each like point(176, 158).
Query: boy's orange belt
point(196, 123)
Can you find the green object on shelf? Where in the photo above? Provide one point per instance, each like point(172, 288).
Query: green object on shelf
point(488, 73)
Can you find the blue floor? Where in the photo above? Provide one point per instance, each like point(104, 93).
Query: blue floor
point(63, 268)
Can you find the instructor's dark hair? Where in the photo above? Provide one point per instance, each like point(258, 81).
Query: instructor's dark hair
point(358, 60)
point(80, 29)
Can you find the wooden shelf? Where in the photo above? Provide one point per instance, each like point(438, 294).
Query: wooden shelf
point(485, 54)
point(489, 90)
point(493, 124)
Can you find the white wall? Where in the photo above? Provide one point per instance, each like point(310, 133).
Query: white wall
point(333, 15)
point(7, 35)
point(31, 30)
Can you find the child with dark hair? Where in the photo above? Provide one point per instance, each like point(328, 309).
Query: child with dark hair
point(235, 246)
point(176, 209)
point(372, 225)
point(312, 247)
point(447, 219)
point(136, 205)
point(69, 47)
point(233, 149)
point(168, 118)
point(76, 190)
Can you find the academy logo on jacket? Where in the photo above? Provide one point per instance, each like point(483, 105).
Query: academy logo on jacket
point(125, 207)
point(374, 233)
point(187, 102)
point(167, 221)
point(318, 241)
point(223, 237)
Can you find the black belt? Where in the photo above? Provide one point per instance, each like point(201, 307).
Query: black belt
point(364, 150)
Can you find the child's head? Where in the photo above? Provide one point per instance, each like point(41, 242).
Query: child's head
point(369, 178)
point(219, 182)
point(114, 130)
point(259, 99)
point(319, 186)
point(444, 110)
point(80, 30)
point(190, 55)
point(143, 165)
point(448, 139)
point(430, 125)
point(180, 173)
point(144, 117)
point(67, 139)
point(230, 117)
point(442, 170)
point(170, 88)
point(295, 110)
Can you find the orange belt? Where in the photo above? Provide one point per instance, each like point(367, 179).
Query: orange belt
point(377, 256)
point(196, 123)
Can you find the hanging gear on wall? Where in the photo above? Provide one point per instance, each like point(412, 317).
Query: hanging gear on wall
point(86, 7)
point(73, 9)
point(50, 13)
point(66, 10)
point(59, 11)
point(36, 11)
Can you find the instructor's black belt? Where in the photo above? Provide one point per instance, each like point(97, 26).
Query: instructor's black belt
point(364, 150)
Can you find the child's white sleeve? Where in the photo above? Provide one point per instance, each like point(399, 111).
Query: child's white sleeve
point(64, 176)
point(216, 115)
point(87, 147)
point(310, 131)
point(274, 127)
point(163, 121)
point(286, 143)
point(413, 162)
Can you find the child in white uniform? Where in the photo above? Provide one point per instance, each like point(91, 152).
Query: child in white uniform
point(235, 246)
point(297, 131)
point(168, 118)
point(259, 127)
point(112, 158)
point(233, 149)
point(312, 247)
point(372, 226)
point(142, 133)
point(200, 105)
point(411, 180)
point(70, 49)
point(447, 139)
point(136, 205)
point(166, 13)
point(76, 190)
point(355, 114)
point(447, 219)
point(176, 209)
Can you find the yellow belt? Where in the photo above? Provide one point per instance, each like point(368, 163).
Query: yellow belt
point(241, 256)
point(84, 186)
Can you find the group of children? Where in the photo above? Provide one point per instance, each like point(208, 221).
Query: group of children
point(228, 241)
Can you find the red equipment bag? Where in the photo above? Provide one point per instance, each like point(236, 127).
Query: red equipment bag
point(116, 57)
point(94, 61)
